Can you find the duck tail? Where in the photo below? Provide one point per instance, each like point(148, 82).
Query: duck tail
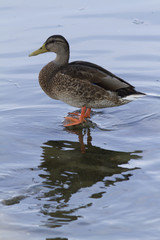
point(125, 92)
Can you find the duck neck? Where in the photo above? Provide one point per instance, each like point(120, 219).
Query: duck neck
point(48, 71)
point(62, 58)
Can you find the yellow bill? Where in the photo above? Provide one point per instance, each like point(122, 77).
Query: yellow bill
point(43, 49)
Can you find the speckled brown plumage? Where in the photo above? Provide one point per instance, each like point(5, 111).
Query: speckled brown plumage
point(80, 83)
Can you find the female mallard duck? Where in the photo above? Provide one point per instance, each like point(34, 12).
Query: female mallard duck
point(80, 84)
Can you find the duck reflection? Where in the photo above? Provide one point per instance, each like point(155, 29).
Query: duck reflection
point(67, 171)
point(81, 133)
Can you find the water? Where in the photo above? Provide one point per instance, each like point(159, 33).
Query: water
point(97, 182)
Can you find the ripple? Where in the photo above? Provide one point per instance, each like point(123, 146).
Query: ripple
point(13, 200)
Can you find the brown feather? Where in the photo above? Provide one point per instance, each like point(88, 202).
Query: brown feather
point(80, 83)
point(98, 76)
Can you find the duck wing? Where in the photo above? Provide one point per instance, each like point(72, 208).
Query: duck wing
point(99, 76)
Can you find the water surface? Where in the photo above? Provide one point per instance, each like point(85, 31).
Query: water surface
point(100, 181)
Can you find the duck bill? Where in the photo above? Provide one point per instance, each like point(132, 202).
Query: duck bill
point(43, 49)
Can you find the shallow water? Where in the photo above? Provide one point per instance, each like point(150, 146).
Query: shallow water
point(100, 181)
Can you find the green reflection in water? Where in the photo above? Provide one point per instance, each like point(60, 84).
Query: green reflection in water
point(69, 167)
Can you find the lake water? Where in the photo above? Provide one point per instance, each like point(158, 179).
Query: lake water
point(100, 181)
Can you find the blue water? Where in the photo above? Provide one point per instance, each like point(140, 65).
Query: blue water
point(96, 182)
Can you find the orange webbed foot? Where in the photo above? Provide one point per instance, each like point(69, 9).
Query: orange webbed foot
point(73, 121)
point(76, 121)
point(74, 113)
point(86, 115)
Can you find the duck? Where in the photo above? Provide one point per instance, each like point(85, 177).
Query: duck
point(80, 84)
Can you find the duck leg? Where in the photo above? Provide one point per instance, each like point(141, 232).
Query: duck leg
point(87, 113)
point(75, 121)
